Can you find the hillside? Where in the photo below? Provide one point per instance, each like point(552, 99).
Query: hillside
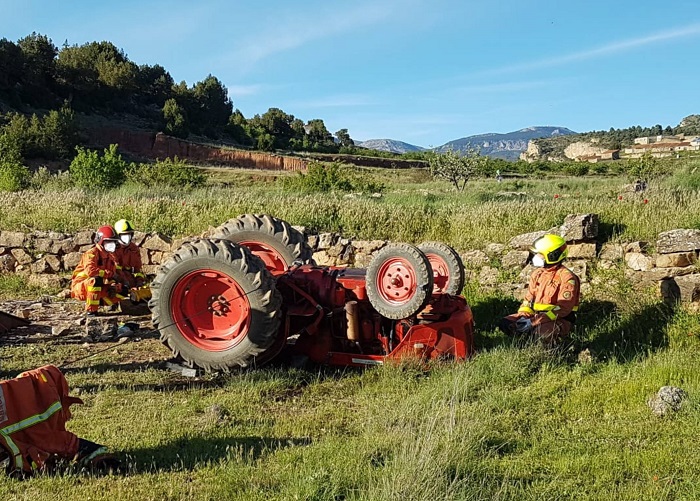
point(507, 146)
point(390, 145)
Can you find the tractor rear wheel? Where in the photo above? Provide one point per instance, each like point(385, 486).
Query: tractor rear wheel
point(399, 281)
point(448, 269)
point(272, 240)
point(215, 305)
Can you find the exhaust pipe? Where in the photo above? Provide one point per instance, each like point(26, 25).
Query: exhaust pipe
point(353, 321)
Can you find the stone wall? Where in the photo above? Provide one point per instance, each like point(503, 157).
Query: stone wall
point(48, 258)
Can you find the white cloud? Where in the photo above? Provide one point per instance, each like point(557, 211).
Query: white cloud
point(245, 90)
point(692, 30)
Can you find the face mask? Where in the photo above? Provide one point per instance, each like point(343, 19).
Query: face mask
point(537, 261)
point(111, 246)
point(125, 238)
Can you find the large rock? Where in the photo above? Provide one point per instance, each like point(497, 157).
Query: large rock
point(474, 258)
point(312, 241)
point(71, 260)
point(581, 251)
point(525, 241)
point(515, 259)
point(636, 247)
point(678, 241)
point(684, 289)
point(54, 263)
point(22, 256)
point(43, 244)
point(325, 240)
point(668, 399)
point(158, 242)
point(639, 262)
point(652, 277)
point(12, 238)
point(368, 246)
point(611, 252)
point(46, 281)
point(323, 259)
point(579, 227)
point(64, 246)
point(677, 259)
point(139, 237)
point(7, 263)
point(494, 249)
point(83, 238)
point(336, 250)
point(39, 266)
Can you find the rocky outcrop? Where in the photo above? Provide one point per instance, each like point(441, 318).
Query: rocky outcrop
point(582, 149)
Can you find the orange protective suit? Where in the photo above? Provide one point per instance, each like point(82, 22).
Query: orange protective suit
point(129, 266)
point(551, 301)
point(92, 278)
point(34, 409)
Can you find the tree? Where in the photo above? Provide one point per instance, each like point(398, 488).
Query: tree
point(213, 106)
point(39, 54)
point(318, 136)
point(175, 119)
point(11, 64)
point(90, 170)
point(344, 138)
point(455, 168)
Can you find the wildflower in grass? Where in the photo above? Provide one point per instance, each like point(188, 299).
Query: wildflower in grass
point(556, 196)
point(619, 197)
point(646, 200)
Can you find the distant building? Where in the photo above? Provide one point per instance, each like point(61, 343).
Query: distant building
point(598, 157)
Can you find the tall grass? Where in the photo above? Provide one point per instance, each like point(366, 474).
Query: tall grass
point(465, 220)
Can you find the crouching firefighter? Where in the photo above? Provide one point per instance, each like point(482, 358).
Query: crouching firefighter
point(128, 256)
point(93, 279)
point(34, 408)
point(549, 309)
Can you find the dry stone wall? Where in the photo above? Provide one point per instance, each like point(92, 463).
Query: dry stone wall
point(48, 258)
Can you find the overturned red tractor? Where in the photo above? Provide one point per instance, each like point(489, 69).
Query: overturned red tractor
point(239, 298)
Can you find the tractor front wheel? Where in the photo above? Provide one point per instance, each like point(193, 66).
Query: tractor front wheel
point(215, 305)
point(447, 266)
point(399, 281)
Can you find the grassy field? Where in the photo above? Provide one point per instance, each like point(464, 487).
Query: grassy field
point(514, 422)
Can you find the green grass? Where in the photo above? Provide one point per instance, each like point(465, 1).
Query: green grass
point(513, 422)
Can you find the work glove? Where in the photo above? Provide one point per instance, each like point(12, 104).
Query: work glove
point(523, 325)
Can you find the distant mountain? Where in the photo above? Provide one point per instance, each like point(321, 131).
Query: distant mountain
point(508, 146)
point(388, 145)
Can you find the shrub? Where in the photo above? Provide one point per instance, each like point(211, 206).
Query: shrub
point(13, 175)
point(319, 178)
point(168, 172)
point(43, 179)
point(575, 168)
point(90, 170)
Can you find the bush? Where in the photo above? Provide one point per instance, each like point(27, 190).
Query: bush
point(331, 177)
point(90, 170)
point(51, 136)
point(575, 168)
point(168, 172)
point(13, 176)
point(43, 179)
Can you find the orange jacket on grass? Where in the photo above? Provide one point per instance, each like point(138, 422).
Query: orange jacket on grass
point(34, 409)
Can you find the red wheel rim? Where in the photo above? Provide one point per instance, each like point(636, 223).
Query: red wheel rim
point(274, 262)
point(210, 310)
point(441, 272)
point(396, 280)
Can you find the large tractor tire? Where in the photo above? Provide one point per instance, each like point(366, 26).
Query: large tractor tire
point(447, 266)
point(272, 240)
point(216, 305)
point(399, 281)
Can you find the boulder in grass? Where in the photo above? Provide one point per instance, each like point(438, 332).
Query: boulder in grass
point(668, 399)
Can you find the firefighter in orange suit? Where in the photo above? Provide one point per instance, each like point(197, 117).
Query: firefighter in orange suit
point(94, 278)
point(34, 408)
point(549, 308)
point(128, 256)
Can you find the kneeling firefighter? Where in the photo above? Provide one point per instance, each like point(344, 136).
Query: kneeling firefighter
point(94, 279)
point(34, 408)
point(549, 308)
point(128, 256)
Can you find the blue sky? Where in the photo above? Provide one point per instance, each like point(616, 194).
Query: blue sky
point(421, 71)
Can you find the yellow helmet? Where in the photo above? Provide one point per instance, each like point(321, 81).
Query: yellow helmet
point(551, 247)
point(123, 226)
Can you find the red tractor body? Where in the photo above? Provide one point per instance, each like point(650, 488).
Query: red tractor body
point(328, 316)
point(240, 298)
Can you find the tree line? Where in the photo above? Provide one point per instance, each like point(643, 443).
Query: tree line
point(98, 77)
